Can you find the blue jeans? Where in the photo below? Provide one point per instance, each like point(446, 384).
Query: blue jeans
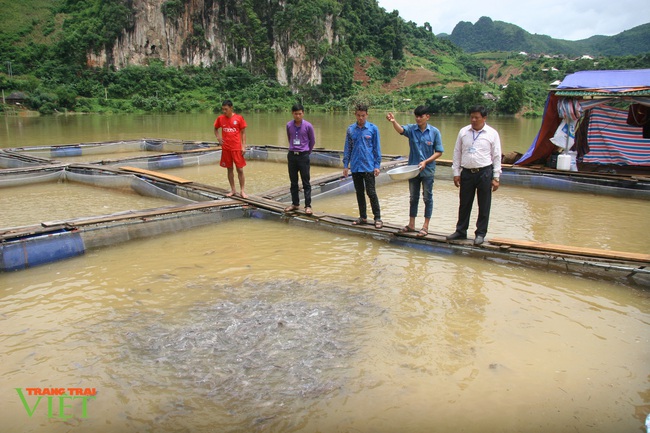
point(427, 195)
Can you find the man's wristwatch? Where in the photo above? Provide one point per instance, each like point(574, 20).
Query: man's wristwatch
point(495, 178)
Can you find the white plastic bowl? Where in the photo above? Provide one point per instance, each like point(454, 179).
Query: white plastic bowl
point(403, 173)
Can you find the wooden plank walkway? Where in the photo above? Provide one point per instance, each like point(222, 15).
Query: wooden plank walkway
point(564, 249)
point(268, 201)
point(159, 175)
point(499, 245)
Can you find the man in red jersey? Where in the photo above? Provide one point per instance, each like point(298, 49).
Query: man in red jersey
point(233, 145)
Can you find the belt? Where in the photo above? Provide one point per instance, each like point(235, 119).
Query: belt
point(476, 170)
point(293, 152)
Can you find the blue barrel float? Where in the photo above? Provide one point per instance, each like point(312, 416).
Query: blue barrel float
point(165, 162)
point(150, 145)
point(324, 159)
point(33, 251)
point(196, 145)
point(65, 151)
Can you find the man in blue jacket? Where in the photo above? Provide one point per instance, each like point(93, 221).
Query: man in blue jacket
point(362, 155)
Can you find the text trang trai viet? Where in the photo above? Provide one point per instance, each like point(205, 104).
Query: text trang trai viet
point(62, 403)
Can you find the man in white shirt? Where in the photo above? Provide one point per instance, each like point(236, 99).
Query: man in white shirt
point(476, 167)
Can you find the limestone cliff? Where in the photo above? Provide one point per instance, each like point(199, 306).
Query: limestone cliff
point(213, 32)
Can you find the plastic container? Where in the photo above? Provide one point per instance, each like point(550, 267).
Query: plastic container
point(564, 162)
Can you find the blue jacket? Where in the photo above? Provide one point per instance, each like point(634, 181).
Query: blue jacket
point(362, 150)
point(423, 144)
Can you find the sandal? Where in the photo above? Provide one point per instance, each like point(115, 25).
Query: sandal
point(379, 224)
point(291, 208)
point(422, 233)
point(359, 221)
point(406, 229)
point(308, 210)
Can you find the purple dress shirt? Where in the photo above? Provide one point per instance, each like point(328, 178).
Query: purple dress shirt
point(301, 138)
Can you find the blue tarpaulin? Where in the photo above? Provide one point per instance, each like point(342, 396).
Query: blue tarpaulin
point(607, 81)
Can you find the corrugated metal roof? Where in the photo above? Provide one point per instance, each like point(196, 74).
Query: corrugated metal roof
point(588, 93)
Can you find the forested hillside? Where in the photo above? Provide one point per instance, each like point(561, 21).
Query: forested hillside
point(488, 35)
point(182, 55)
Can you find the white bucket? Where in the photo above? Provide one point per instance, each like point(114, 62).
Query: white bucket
point(564, 162)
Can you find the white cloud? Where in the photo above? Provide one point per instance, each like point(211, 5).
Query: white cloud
point(570, 20)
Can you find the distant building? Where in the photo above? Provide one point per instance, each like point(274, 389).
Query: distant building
point(16, 98)
point(489, 96)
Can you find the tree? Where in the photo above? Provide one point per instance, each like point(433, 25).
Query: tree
point(512, 99)
point(468, 96)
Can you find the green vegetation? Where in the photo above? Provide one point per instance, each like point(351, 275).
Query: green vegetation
point(488, 35)
point(44, 47)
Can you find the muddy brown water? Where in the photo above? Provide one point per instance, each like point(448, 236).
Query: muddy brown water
point(257, 325)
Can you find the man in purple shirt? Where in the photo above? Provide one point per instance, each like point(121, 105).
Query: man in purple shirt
point(300, 134)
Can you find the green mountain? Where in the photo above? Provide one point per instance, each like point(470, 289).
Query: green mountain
point(187, 55)
point(489, 35)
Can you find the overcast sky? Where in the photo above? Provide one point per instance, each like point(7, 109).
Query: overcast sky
point(561, 19)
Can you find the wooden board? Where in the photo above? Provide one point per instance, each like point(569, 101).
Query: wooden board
point(126, 215)
point(590, 252)
point(541, 169)
point(169, 177)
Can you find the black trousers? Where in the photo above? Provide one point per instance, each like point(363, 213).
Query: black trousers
point(299, 164)
point(364, 182)
point(477, 184)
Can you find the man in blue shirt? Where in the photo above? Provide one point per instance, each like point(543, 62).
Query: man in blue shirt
point(362, 154)
point(300, 134)
point(425, 146)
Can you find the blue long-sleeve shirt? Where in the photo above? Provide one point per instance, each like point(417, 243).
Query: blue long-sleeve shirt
point(423, 144)
point(362, 151)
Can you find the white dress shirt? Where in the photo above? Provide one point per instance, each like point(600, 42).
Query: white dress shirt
point(476, 149)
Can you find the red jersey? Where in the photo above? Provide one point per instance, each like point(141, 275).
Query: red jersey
point(230, 131)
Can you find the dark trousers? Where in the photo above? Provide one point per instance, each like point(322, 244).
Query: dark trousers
point(471, 184)
point(299, 164)
point(364, 182)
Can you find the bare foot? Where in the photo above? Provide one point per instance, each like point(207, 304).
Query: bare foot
point(243, 195)
point(230, 194)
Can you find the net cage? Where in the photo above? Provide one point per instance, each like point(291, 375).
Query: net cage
point(133, 167)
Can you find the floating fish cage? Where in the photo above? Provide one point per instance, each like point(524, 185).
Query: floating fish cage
point(183, 204)
point(139, 170)
point(112, 147)
point(320, 157)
